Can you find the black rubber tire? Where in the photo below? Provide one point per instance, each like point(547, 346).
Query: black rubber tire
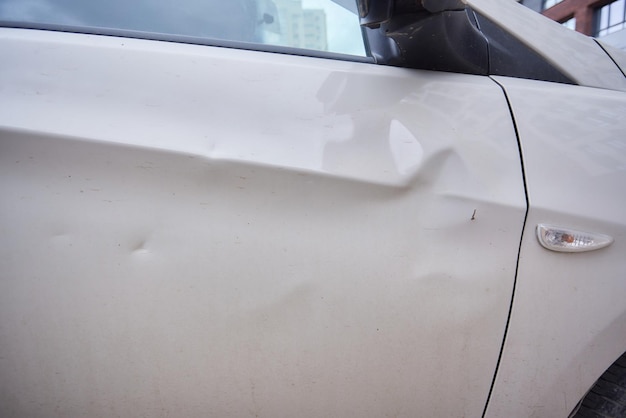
point(607, 398)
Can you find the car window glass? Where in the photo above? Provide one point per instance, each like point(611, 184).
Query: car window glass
point(322, 25)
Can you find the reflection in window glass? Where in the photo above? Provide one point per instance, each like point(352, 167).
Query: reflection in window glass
point(313, 24)
point(611, 18)
point(324, 25)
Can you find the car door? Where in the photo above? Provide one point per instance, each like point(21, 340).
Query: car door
point(567, 322)
point(195, 230)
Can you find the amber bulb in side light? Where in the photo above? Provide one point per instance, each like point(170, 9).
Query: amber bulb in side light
point(570, 241)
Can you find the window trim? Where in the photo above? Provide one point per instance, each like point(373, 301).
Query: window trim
point(552, 4)
point(598, 30)
point(191, 40)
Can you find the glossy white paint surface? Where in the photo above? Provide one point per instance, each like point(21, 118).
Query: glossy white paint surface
point(576, 55)
point(196, 231)
point(617, 55)
point(568, 321)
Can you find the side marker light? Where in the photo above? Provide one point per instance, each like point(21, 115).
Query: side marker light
point(570, 241)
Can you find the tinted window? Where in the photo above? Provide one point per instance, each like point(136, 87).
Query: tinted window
point(325, 25)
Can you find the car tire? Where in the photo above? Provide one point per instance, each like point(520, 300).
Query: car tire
point(607, 398)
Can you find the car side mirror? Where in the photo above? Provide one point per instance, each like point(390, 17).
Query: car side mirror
point(448, 35)
point(375, 12)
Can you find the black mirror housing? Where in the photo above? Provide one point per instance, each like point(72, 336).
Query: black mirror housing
point(372, 13)
point(448, 35)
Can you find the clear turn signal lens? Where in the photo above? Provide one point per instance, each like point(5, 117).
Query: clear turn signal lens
point(570, 241)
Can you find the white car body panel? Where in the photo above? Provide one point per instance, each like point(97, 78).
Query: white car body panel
point(616, 54)
point(576, 55)
point(568, 321)
point(338, 246)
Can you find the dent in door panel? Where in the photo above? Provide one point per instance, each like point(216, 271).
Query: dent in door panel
point(312, 246)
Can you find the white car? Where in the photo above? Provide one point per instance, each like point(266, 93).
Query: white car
point(309, 208)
